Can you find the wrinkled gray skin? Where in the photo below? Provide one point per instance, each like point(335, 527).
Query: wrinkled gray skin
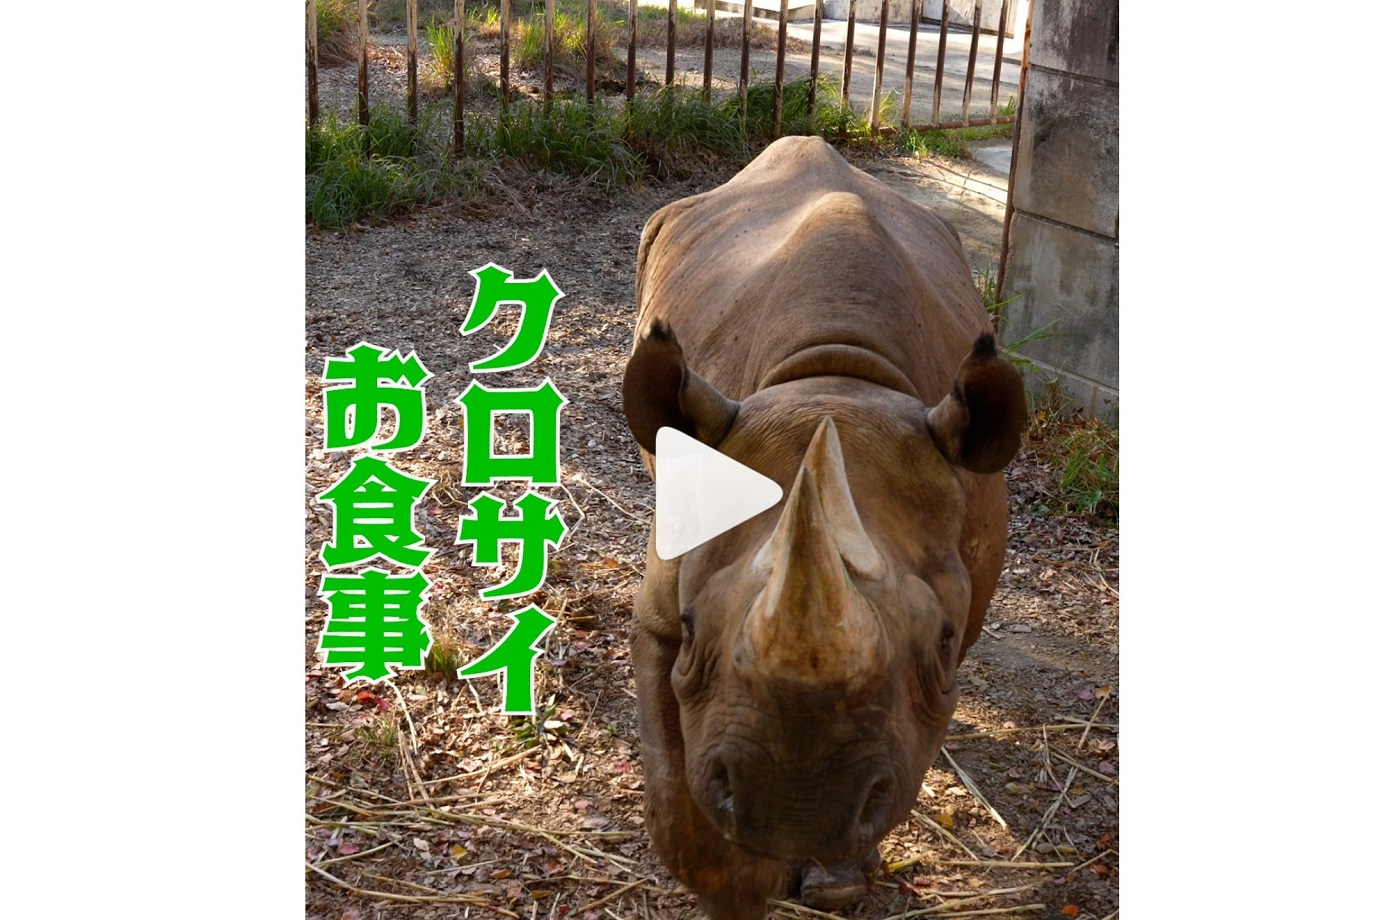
point(796, 675)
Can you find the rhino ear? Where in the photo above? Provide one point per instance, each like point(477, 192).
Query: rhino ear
point(659, 390)
point(978, 425)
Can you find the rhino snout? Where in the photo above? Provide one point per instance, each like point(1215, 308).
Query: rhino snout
point(805, 816)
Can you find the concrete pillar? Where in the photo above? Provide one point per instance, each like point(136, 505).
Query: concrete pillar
point(1063, 245)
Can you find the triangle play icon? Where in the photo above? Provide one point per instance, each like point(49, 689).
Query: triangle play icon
point(700, 493)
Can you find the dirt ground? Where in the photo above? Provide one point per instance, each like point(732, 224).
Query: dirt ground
point(422, 800)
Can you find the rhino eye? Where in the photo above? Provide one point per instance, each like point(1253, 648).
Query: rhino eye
point(946, 641)
point(687, 626)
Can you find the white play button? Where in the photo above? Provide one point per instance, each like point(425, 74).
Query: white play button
point(700, 493)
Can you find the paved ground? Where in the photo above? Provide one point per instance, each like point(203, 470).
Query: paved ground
point(969, 194)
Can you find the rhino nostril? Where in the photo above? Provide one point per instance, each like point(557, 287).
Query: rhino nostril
point(876, 807)
point(719, 788)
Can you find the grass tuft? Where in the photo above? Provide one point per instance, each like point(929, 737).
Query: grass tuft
point(440, 67)
point(381, 734)
point(575, 140)
point(356, 172)
point(1083, 457)
point(953, 142)
point(1091, 470)
point(337, 32)
point(445, 657)
point(653, 27)
point(569, 44)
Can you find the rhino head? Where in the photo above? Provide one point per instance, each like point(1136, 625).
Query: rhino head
point(819, 640)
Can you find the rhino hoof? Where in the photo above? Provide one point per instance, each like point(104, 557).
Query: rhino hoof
point(835, 887)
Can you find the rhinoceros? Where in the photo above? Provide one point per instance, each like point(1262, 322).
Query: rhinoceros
point(796, 674)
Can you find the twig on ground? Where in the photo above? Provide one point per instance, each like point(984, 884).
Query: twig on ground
point(1069, 760)
point(893, 867)
point(1049, 812)
point(447, 800)
point(471, 899)
point(1088, 862)
point(972, 787)
point(1023, 909)
point(1091, 720)
point(348, 788)
point(488, 768)
point(360, 855)
point(594, 880)
point(1001, 864)
point(1098, 569)
point(942, 909)
point(578, 510)
point(641, 519)
point(616, 894)
point(802, 909)
point(403, 882)
point(970, 736)
point(412, 729)
point(349, 806)
point(1076, 722)
point(943, 832)
point(410, 771)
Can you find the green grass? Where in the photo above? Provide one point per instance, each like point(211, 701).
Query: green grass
point(445, 656)
point(571, 139)
point(392, 14)
point(529, 731)
point(987, 289)
point(568, 51)
point(440, 38)
point(953, 142)
point(1083, 458)
point(389, 167)
point(356, 173)
point(948, 142)
point(381, 734)
point(1091, 470)
point(337, 32)
point(692, 27)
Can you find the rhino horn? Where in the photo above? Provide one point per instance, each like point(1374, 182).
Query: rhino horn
point(824, 460)
point(810, 622)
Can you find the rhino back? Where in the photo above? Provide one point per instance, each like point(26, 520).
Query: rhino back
point(800, 249)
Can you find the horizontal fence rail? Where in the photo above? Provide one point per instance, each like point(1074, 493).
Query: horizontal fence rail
point(713, 20)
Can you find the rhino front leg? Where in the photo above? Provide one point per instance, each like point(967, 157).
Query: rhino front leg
point(730, 884)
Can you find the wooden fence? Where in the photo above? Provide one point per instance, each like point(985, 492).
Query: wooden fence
point(505, 17)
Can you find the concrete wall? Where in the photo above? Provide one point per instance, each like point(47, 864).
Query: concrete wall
point(1063, 247)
